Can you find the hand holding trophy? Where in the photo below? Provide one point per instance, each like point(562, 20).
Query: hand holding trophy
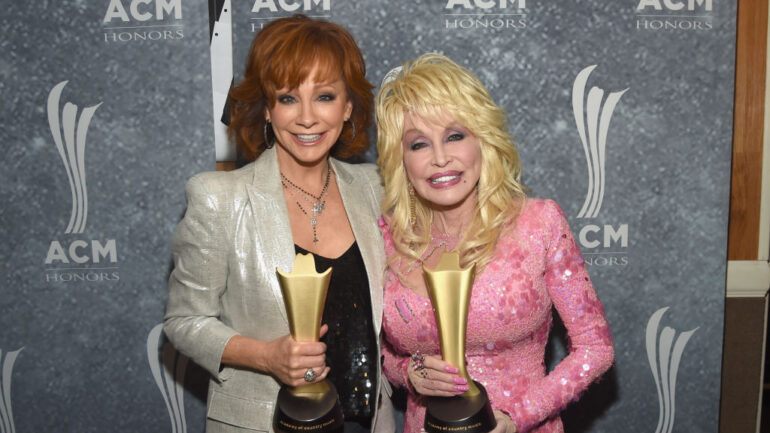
point(313, 407)
point(449, 288)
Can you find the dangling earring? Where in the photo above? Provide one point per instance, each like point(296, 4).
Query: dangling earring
point(268, 144)
point(412, 207)
point(353, 125)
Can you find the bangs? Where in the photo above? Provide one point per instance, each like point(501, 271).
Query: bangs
point(430, 97)
point(292, 63)
point(431, 108)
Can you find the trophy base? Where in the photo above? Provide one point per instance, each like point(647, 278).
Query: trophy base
point(319, 412)
point(460, 414)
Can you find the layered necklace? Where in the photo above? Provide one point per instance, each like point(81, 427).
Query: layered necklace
point(316, 202)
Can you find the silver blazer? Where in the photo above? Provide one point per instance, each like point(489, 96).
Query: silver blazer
point(233, 236)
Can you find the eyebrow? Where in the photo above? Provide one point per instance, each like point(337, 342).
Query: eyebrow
point(410, 131)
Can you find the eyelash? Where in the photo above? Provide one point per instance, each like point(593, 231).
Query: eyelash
point(455, 136)
point(417, 145)
point(288, 99)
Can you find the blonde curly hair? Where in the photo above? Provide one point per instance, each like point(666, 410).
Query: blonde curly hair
point(431, 87)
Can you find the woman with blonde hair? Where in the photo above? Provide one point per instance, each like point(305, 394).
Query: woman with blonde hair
point(453, 183)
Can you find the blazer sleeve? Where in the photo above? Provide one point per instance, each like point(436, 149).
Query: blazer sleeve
point(591, 350)
point(192, 321)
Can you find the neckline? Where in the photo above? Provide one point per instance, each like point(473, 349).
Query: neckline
point(346, 252)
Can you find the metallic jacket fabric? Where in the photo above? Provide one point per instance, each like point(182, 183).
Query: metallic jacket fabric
point(234, 235)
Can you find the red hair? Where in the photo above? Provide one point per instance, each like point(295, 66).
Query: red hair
point(283, 54)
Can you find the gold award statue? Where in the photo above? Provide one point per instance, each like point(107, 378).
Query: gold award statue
point(449, 288)
point(315, 406)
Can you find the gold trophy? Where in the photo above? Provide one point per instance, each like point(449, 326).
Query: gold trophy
point(313, 407)
point(449, 288)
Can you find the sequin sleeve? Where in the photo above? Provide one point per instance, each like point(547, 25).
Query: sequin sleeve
point(591, 351)
point(395, 366)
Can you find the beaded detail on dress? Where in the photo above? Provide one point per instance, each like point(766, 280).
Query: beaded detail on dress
point(537, 265)
point(351, 349)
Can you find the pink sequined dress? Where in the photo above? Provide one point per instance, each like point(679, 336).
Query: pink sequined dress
point(536, 265)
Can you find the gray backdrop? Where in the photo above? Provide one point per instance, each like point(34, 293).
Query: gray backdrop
point(622, 112)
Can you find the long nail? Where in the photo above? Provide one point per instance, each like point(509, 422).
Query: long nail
point(450, 369)
point(462, 388)
point(460, 380)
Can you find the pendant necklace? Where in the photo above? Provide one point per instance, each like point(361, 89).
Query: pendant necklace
point(317, 203)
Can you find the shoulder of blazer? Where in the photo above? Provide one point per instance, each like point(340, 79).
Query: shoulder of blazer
point(220, 182)
point(220, 192)
point(365, 175)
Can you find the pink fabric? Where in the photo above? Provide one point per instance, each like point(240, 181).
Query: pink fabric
point(536, 265)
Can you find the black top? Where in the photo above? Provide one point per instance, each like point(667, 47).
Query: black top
point(351, 349)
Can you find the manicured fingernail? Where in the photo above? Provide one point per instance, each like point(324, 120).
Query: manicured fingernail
point(450, 369)
point(460, 380)
point(462, 388)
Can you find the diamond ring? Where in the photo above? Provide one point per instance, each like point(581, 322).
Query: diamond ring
point(310, 375)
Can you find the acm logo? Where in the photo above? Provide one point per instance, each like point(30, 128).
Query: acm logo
point(665, 350)
point(485, 14)
point(320, 9)
point(674, 5)
point(291, 5)
point(668, 15)
point(142, 20)
point(486, 4)
point(69, 135)
point(593, 112)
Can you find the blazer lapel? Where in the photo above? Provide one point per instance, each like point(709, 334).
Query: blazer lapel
point(271, 222)
point(362, 210)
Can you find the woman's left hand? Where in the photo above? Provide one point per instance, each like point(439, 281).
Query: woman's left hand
point(504, 423)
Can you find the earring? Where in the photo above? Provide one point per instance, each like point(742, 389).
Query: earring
point(412, 206)
point(268, 144)
point(353, 125)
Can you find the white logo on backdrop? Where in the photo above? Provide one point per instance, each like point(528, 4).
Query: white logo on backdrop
point(72, 146)
point(668, 15)
point(674, 5)
point(664, 352)
point(168, 368)
point(594, 116)
point(485, 14)
point(6, 411)
point(143, 20)
point(290, 5)
point(69, 135)
point(269, 10)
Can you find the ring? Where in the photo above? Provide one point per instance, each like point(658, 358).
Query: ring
point(310, 375)
point(418, 361)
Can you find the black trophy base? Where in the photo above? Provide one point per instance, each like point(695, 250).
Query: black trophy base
point(319, 413)
point(460, 414)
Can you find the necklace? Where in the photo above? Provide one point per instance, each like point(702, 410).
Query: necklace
point(444, 240)
point(317, 203)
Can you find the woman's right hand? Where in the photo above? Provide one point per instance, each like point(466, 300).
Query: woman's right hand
point(288, 360)
point(436, 378)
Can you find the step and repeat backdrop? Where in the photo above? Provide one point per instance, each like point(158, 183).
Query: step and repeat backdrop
point(622, 111)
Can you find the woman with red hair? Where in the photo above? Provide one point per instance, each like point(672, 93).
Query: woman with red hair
point(304, 101)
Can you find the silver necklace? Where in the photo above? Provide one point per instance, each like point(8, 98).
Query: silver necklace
point(317, 203)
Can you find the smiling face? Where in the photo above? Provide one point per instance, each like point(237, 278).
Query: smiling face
point(442, 161)
point(307, 120)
